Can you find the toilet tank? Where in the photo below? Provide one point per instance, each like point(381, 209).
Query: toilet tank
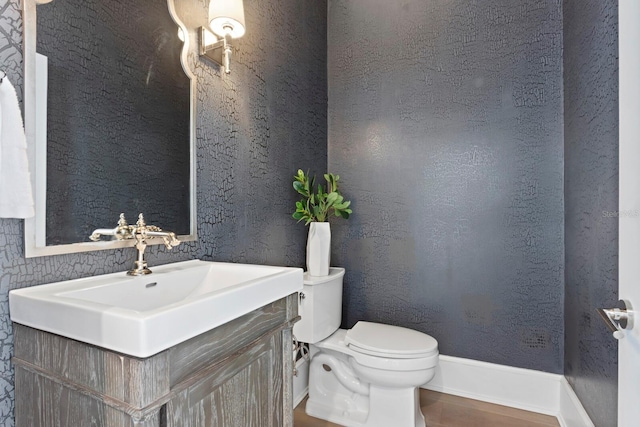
point(319, 306)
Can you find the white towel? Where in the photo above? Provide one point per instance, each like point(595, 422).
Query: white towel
point(16, 198)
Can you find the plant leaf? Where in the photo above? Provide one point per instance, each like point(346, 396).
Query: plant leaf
point(333, 197)
point(299, 187)
point(341, 206)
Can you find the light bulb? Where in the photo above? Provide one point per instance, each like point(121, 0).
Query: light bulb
point(226, 17)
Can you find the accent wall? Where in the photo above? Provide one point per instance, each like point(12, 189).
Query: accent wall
point(445, 125)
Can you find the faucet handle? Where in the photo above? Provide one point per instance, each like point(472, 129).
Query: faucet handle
point(171, 240)
point(122, 222)
point(123, 230)
point(141, 222)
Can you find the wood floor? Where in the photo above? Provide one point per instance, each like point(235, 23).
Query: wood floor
point(445, 410)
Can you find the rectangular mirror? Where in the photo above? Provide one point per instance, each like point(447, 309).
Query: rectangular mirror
point(109, 111)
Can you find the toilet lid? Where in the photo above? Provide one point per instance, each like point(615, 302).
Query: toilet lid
point(390, 341)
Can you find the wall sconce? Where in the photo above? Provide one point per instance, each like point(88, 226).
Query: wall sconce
point(226, 20)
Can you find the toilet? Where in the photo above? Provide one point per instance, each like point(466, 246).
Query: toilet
point(367, 376)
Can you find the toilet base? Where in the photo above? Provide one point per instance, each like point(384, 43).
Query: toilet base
point(406, 412)
point(405, 403)
point(362, 405)
point(342, 417)
point(406, 408)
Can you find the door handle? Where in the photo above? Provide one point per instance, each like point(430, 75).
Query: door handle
point(618, 318)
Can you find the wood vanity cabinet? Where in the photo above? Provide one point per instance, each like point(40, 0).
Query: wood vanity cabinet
point(236, 375)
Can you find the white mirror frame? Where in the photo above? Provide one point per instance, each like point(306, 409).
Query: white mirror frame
point(35, 228)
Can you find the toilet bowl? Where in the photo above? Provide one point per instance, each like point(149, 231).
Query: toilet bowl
point(367, 376)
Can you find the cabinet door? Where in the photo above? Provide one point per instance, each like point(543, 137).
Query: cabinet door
point(244, 390)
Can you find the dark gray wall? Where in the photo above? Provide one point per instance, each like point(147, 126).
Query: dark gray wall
point(255, 128)
point(445, 125)
point(591, 201)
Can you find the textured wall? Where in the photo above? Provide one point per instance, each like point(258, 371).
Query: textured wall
point(255, 128)
point(445, 124)
point(591, 199)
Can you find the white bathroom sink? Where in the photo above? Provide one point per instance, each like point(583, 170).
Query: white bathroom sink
point(141, 316)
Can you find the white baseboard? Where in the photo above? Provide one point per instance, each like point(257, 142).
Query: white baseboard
point(572, 412)
point(301, 381)
point(526, 389)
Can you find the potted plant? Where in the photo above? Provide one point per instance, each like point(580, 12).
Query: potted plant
point(314, 209)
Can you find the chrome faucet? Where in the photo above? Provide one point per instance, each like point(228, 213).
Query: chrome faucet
point(141, 232)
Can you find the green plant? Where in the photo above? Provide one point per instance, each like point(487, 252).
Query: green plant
point(317, 205)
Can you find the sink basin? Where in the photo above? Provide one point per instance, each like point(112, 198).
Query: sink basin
point(141, 316)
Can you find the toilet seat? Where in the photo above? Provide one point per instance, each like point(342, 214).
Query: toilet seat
point(388, 341)
point(390, 364)
point(337, 342)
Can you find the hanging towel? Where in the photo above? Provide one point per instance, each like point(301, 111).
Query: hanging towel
point(16, 198)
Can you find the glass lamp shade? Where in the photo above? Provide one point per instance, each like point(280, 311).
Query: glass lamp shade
point(227, 17)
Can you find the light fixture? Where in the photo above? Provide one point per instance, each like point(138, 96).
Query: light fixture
point(226, 20)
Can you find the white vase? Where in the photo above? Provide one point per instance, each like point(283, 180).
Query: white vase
point(319, 249)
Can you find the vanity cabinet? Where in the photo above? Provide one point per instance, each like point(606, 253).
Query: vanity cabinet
point(236, 375)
